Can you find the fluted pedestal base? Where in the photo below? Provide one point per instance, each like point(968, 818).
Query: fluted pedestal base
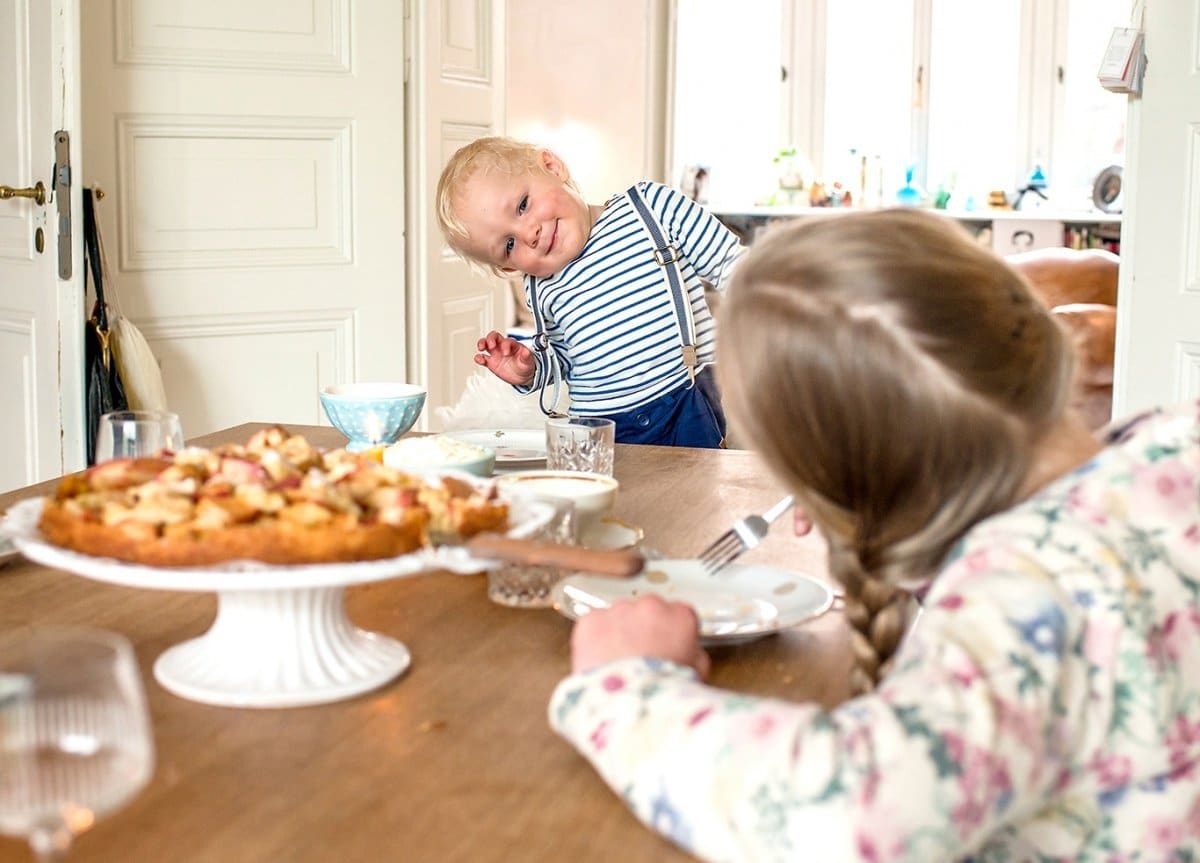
point(281, 648)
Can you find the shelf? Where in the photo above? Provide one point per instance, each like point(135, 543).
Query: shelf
point(1090, 217)
point(1003, 231)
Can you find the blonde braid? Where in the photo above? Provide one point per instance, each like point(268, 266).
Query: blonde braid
point(878, 616)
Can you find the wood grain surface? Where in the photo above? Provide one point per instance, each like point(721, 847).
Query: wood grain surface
point(453, 761)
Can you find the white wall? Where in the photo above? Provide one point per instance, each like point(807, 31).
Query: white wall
point(586, 79)
point(1158, 298)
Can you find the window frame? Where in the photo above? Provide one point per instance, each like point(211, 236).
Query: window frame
point(1040, 90)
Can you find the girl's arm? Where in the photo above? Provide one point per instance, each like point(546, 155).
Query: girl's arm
point(956, 742)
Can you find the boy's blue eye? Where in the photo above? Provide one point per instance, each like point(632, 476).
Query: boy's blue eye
point(508, 246)
point(524, 205)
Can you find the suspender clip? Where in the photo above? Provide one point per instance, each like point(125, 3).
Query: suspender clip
point(689, 362)
point(666, 256)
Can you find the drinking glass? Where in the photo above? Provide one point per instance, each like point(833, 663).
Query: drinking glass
point(528, 585)
point(75, 739)
point(132, 434)
point(580, 443)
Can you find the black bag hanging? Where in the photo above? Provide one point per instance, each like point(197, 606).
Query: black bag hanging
point(104, 391)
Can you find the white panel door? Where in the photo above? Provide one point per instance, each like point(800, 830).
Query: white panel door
point(252, 159)
point(40, 365)
point(456, 94)
point(1158, 311)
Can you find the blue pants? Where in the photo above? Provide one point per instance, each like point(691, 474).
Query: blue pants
point(683, 417)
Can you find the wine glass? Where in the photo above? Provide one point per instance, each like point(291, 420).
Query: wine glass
point(75, 739)
point(132, 434)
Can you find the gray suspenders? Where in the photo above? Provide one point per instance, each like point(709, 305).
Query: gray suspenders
point(667, 258)
point(541, 344)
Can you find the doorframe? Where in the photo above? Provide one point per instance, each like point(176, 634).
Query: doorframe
point(416, 184)
point(65, 46)
point(423, 41)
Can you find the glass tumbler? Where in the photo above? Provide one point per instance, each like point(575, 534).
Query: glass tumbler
point(520, 585)
point(133, 434)
point(580, 443)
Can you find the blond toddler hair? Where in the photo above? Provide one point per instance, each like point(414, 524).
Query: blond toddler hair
point(495, 153)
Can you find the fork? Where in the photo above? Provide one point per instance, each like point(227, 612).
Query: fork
point(743, 536)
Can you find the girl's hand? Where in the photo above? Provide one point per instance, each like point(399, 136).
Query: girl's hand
point(646, 626)
point(801, 523)
point(506, 358)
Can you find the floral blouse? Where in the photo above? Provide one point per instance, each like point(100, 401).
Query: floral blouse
point(1046, 707)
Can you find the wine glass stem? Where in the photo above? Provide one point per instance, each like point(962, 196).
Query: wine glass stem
point(51, 843)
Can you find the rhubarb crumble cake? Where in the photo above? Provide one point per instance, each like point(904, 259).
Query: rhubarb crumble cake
point(276, 499)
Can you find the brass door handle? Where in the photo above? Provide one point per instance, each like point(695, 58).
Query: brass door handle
point(37, 193)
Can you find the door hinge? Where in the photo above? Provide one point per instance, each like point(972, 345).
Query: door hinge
point(60, 184)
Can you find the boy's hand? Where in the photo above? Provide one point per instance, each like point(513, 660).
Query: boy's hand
point(506, 358)
point(646, 626)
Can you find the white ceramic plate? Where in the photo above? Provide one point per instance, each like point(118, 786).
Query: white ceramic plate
point(513, 447)
point(610, 533)
point(21, 525)
point(306, 650)
point(740, 604)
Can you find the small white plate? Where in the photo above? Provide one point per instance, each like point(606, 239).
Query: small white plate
point(611, 533)
point(513, 447)
point(742, 603)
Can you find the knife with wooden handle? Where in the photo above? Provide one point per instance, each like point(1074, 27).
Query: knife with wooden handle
point(622, 562)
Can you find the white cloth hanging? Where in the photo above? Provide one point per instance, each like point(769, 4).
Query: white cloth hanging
point(138, 367)
point(136, 363)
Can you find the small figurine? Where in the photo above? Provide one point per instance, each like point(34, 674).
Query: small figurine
point(910, 194)
point(816, 195)
point(1036, 184)
point(997, 200)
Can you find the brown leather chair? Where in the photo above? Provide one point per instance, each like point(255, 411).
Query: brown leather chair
point(1079, 286)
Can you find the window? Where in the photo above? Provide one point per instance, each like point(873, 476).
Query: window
point(1092, 135)
point(727, 116)
point(972, 86)
point(868, 94)
point(971, 95)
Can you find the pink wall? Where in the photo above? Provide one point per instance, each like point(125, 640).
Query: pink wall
point(586, 80)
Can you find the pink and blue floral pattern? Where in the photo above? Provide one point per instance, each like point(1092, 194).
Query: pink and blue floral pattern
point(1046, 707)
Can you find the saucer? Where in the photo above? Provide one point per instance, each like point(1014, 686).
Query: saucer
point(611, 533)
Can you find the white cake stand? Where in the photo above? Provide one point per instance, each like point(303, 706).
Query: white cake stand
point(281, 637)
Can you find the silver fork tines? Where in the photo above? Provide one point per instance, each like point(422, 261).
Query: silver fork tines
point(745, 534)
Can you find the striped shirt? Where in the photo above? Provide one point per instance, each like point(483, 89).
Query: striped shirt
point(609, 313)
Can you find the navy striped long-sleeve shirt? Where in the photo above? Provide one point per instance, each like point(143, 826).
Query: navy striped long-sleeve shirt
point(609, 313)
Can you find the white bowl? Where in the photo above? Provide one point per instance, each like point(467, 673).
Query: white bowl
point(432, 453)
point(591, 493)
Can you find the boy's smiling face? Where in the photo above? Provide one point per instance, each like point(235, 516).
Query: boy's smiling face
point(533, 223)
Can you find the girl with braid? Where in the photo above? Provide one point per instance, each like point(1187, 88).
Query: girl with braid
point(910, 390)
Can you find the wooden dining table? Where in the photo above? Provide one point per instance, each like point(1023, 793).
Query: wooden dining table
point(452, 761)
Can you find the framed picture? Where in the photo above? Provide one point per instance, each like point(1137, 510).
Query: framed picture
point(1106, 191)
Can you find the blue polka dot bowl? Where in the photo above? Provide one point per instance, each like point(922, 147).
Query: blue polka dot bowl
point(372, 414)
